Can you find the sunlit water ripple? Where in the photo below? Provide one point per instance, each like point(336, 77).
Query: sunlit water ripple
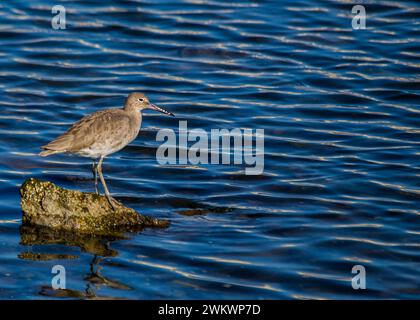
point(340, 112)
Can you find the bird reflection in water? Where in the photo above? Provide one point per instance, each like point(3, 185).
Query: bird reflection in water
point(98, 246)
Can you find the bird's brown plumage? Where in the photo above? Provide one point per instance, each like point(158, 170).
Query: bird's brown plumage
point(103, 132)
point(98, 127)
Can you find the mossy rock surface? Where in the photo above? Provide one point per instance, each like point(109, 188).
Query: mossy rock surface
point(45, 204)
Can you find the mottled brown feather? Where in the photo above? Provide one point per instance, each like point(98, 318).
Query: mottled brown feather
point(91, 128)
point(103, 132)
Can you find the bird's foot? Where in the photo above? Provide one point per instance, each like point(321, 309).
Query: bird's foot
point(112, 202)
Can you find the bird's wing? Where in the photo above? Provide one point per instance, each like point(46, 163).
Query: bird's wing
point(89, 129)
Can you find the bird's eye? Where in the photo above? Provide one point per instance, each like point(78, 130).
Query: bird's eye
point(140, 99)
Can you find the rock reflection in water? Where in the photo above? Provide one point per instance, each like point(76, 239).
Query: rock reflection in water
point(98, 246)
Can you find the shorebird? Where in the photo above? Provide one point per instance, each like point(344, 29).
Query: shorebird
point(101, 133)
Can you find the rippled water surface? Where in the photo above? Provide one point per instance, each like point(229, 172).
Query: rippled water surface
point(340, 112)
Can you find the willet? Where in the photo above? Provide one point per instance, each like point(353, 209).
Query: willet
point(103, 132)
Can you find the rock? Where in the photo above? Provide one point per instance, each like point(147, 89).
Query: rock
point(45, 204)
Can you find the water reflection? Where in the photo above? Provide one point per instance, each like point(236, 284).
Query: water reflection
point(97, 246)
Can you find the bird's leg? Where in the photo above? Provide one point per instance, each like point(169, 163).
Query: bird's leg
point(95, 175)
point(107, 195)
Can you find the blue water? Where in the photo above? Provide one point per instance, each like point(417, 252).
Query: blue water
point(340, 110)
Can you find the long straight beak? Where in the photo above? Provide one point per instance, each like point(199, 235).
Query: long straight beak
point(155, 107)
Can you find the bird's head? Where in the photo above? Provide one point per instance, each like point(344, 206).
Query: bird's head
point(139, 101)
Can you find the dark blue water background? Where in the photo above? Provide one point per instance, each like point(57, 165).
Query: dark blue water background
point(340, 112)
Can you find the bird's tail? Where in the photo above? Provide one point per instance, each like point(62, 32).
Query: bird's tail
point(48, 152)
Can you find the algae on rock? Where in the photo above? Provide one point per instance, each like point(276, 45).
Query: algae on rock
point(45, 204)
